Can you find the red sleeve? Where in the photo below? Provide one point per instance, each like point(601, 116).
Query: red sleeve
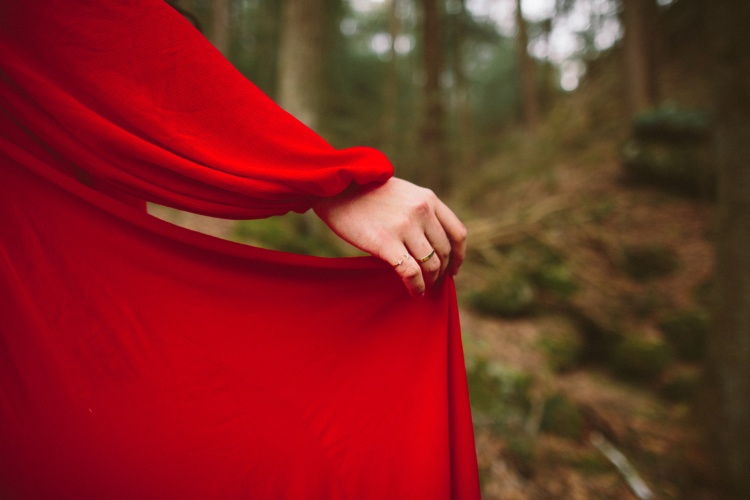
point(131, 93)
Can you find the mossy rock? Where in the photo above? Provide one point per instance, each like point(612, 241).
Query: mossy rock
point(671, 149)
point(680, 386)
point(703, 293)
point(498, 392)
point(645, 303)
point(687, 332)
point(562, 418)
point(520, 450)
point(673, 125)
point(648, 262)
point(564, 345)
point(641, 359)
point(555, 277)
point(512, 297)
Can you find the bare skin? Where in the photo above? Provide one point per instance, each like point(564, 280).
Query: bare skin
point(400, 223)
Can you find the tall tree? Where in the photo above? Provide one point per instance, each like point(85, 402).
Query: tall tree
point(301, 59)
point(219, 32)
point(392, 79)
point(464, 118)
point(639, 20)
point(527, 70)
point(434, 164)
point(729, 349)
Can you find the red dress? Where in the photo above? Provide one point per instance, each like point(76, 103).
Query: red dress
point(142, 360)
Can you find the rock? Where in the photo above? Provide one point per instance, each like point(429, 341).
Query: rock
point(512, 297)
point(640, 359)
point(687, 332)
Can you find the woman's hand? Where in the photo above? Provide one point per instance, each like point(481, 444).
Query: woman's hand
point(402, 224)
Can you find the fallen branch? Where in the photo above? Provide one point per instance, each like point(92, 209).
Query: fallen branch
point(639, 488)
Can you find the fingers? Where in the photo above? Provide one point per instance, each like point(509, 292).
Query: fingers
point(438, 240)
point(455, 232)
point(435, 244)
point(411, 274)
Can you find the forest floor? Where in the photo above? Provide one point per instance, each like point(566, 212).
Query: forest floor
point(547, 390)
point(565, 394)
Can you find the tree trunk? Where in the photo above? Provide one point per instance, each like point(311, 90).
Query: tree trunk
point(729, 349)
point(639, 18)
point(392, 81)
point(219, 33)
point(527, 70)
point(267, 29)
point(465, 119)
point(301, 59)
point(433, 164)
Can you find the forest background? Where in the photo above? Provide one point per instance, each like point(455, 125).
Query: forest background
point(598, 152)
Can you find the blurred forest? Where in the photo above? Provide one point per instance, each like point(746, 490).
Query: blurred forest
point(598, 152)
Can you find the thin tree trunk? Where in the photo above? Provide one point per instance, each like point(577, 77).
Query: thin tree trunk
point(301, 58)
point(267, 28)
point(465, 118)
point(392, 80)
point(640, 53)
point(219, 32)
point(434, 164)
point(527, 69)
point(729, 348)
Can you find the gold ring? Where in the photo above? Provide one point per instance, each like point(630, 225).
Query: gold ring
point(399, 262)
point(428, 256)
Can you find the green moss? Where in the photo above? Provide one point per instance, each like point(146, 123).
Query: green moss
point(511, 297)
point(564, 348)
point(555, 277)
point(592, 463)
point(687, 333)
point(499, 393)
point(680, 387)
point(640, 359)
point(562, 418)
point(648, 262)
point(520, 450)
point(288, 234)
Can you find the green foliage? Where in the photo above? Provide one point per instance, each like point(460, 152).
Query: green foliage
point(672, 125)
point(687, 333)
point(520, 450)
point(647, 262)
point(511, 297)
point(680, 386)
point(555, 277)
point(592, 462)
point(286, 234)
point(645, 303)
point(671, 149)
point(640, 359)
point(564, 349)
point(495, 89)
point(563, 341)
point(499, 393)
point(562, 418)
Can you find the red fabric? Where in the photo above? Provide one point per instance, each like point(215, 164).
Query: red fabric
point(142, 360)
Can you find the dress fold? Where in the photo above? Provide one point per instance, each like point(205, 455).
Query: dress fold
point(139, 359)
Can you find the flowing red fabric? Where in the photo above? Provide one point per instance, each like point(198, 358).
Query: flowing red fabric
point(142, 360)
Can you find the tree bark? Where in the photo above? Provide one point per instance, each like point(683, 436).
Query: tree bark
point(392, 80)
point(729, 347)
point(527, 70)
point(301, 59)
point(640, 53)
point(465, 119)
point(219, 32)
point(434, 163)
